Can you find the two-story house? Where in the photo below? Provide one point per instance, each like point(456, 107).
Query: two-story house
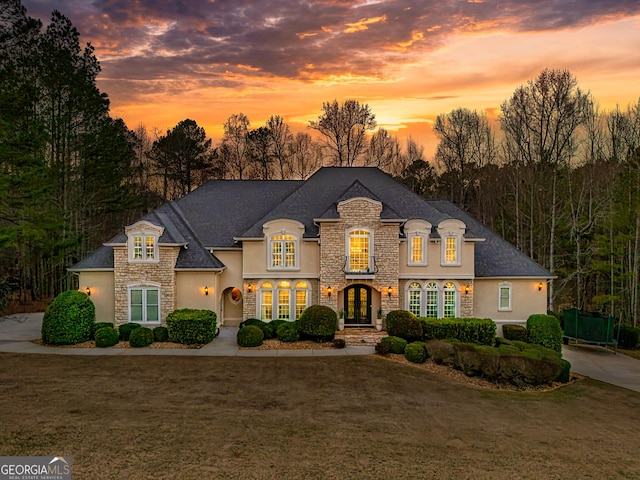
point(353, 239)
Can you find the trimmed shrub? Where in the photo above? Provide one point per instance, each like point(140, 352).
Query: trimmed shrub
point(629, 337)
point(514, 332)
point(404, 324)
point(268, 328)
point(256, 322)
point(97, 326)
point(250, 336)
point(69, 319)
point(191, 326)
point(141, 337)
point(470, 330)
point(276, 323)
point(288, 332)
point(125, 330)
point(339, 343)
point(545, 330)
point(415, 352)
point(318, 322)
point(382, 348)
point(106, 337)
point(396, 344)
point(442, 352)
point(160, 334)
point(565, 374)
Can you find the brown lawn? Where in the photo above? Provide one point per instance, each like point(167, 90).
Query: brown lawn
point(300, 418)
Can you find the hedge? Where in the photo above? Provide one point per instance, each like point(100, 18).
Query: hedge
point(404, 324)
point(545, 330)
point(318, 322)
point(69, 319)
point(515, 332)
point(190, 326)
point(396, 344)
point(288, 332)
point(471, 330)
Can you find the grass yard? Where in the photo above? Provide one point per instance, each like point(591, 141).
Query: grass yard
point(299, 418)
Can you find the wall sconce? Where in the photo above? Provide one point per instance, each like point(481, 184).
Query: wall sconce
point(87, 291)
point(206, 290)
point(249, 287)
point(389, 291)
point(540, 287)
point(466, 290)
point(329, 291)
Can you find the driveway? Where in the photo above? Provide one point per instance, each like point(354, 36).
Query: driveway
point(20, 327)
point(604, 365)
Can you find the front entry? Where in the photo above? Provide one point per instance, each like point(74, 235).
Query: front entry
point(357, 305)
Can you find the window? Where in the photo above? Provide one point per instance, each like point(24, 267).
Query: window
point(144, 247)
point(283, 251)
point(417, 249)
point(285, 302)
point(359, 251)
point(451, 250)
point(266, 301)
point(431, 310)
point(415, 299)
point(144, 304)
point(449, 300)
point(504, 297)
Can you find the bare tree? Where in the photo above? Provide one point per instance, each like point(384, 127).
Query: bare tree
point(344, 129)
point(384, 149)
point(281, 139)
point(234, 145)
point(305, 156)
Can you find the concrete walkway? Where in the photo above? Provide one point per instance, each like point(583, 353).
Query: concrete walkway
point(17, 331)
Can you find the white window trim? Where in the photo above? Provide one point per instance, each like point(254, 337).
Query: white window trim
point(296, 252)
point(451, 228)
point(439, 298)
point(144, 287)
point(425, 243)
point(275, 297)
point(457, 261)
point(145, 230)
point(508, 308)
point(456, 292)
point(347, 247)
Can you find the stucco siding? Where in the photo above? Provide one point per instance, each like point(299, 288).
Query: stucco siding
point(102, 289)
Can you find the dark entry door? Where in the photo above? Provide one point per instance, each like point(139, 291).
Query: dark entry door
point(357, 305)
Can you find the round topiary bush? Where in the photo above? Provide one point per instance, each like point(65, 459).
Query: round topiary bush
point(288, 332)
point(69, 319)
point(318, 322)
point(404, 324)
point(256, 322)
point(125, 330)
point(250, 336)
point(97, 326)
point(107, 337)
point(160, 334)
point(396, 344)
point(415, 353)
point(141, 337)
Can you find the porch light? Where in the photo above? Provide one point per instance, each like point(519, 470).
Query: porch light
point(466, 290)
point(389, 291)
point(249, 287)
point(87, 291)
point(329, 291)
point(540, 287)
point(206, 290)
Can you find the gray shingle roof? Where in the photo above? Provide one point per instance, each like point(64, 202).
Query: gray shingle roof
point(221, 211)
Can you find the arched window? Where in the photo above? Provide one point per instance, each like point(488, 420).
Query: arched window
point(431, 310)
point(266, 301)
point(302, 290)
point(415, 298)
point(450, 296)
point(360, 260)
point(284, 300)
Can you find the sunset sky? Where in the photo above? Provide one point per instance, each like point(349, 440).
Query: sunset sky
point(165, 61)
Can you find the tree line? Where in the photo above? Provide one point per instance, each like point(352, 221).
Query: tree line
point(557, 177)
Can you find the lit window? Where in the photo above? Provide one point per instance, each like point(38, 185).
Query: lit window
point(144, 305)
point(359, 251)
point(301, 298)
point(285, 302)
point(144, 247)
point(415, 298)
point(283, 251)
point(504, 298)
point(417, 249)
point(449, 300)
point(451, 250)
point(266, 301)
point(432, 300)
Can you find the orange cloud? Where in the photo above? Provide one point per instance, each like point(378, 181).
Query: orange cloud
point(363, 24)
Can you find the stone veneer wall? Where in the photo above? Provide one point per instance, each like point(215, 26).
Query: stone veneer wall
point(359, 213)
point(162, 272)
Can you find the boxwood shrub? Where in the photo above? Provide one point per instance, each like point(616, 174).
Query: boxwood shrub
point(268, 328)
point(250, 336)
point(415, 352)
point(97, 326)
point(141, 337)
point(514, 332)
point(160, 334)
point(471, 330)
point(288, 332)
point(69, 319)
point(404, 324)
point(396, 344)
point(125, 330)
point(545, 330)
point(318, 322)
point(191, 326)
point(106, 337)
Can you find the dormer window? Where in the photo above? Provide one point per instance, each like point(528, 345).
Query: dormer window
point(451, 250)
point(417, 232)
point(451, 233)
point(142, 241)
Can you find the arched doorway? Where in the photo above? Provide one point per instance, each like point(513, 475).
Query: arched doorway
point(232, 306)
point(357, 305)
